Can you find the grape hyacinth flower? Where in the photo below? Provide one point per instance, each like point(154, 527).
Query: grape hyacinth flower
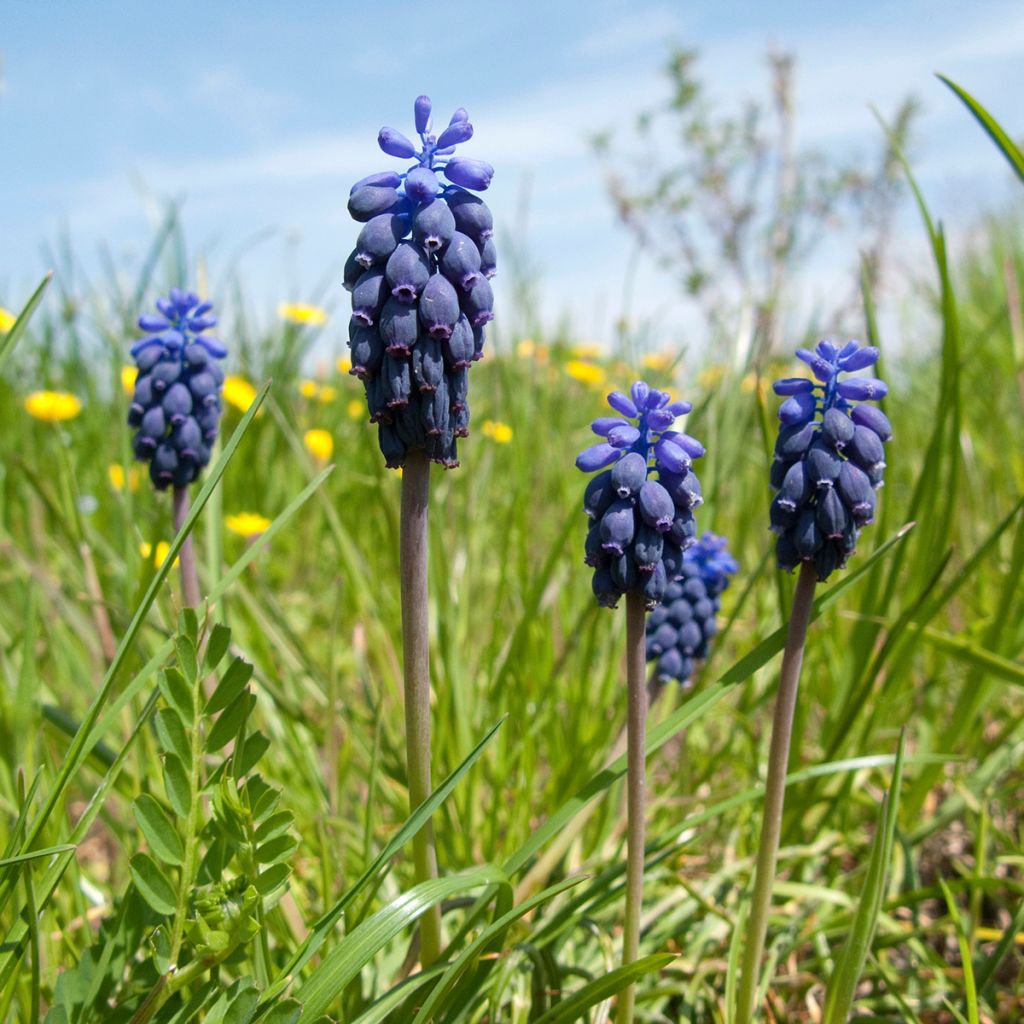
point(829, 460)
point(420, 282)
point(421, 300)
point(176, 403)
point(680, 630)
point(641, 525)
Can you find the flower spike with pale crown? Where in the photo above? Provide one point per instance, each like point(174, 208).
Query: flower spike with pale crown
point(641, 525)
point(176, 403)
point(680, 630)
point(420, 282)
point(829, 457)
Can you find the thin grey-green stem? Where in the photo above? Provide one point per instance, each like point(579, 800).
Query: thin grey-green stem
point(187, 555)
point(416, 658)
point(636, 770)
point(775, 793)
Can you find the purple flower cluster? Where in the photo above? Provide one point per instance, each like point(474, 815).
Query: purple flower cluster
point(829, 457)
point(680, 630)
point(420, 282)
point(640, 525)
point(176, 404)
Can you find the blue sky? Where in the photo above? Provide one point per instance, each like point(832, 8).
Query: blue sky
point(259, 116)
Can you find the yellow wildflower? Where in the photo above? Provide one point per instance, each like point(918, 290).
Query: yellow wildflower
point(526, 348)
point(344, 364)
point(320, 392)
point(247, 524)
point(52, 406)
point(319, 444)
point(299, 313)
point(658, 360)
point(355, 409)
point(239, 393)
point(586, 373)
point(117, 477)
point(162, 549)
point(128, 377)
point(587, 350)
point(7, 320)
point(497, 431)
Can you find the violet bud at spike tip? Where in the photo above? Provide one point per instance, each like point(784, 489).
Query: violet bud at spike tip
point(421, 297)
point(642, 507)
point(176, 403)
point(829, 458)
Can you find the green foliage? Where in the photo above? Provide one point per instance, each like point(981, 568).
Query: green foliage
point(174, 849)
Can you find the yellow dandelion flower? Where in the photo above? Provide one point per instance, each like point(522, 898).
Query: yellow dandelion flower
point(159, 556)
point(247, 524)
point(355, 409)
point(239, 393)
point(319, 444)
point(497, 431)
point(300, 313)
point(526, 349)
point(128, 376)
point(658, 360)
point(308, 388)
point(326, 393)
point(52, 406)
point(586, 373)
point(344, 364)
point(587, 350)
point(7, 320)
point(118, 477)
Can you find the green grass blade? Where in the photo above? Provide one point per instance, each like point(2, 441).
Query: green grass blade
point(602, 988)
point(347, 959)
point(970, 991)
point(995, 132)
point(842, 987)
point(978, 657)
point(9, 340)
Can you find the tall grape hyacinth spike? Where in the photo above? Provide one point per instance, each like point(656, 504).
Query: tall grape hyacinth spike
point(640, 528)
point(176, 404)
point(829, 458)
point(681, 628)
point(420, 282)
point(641, 525)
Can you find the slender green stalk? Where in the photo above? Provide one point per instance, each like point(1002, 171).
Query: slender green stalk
point(416, 658)
point(187, 556)
point(775, 792)
point(636, 770)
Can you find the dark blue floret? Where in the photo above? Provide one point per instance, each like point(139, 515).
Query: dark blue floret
point(680, 631)
point(176, 403)
point(829, 458)
point(642, 507)
point(419, 282)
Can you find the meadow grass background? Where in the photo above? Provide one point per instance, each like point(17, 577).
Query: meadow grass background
point(927, 639)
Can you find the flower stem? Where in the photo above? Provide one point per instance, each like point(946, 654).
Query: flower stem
point(187, 555)
point(416, 657)
point(775, 793)
point(636, 769)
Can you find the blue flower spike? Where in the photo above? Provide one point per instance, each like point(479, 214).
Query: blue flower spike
point(829, 457)
point(419, 282)
point(176, 404)
point(642, 502)
point(681, 628)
